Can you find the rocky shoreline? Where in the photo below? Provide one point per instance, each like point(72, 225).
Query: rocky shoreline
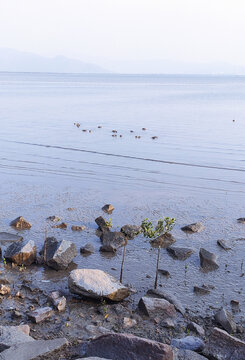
point(91, 315)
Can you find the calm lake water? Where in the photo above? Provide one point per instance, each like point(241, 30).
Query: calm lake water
point(194, 171)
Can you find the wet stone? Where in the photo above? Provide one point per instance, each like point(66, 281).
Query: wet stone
point(241, 220)
point(58, 301)
point(87, 249)
point(102, 224)
point(180, 253)
point(77, 228)
point(130, 231)
point(164, 272)
point(6, 237)
point(208, 260)
point(20, 223)
point(155, 306)
point(41, 314)
point(164, 294)
point(224, 318)
point(163, 241)
point(223, 244)
point(188, 343)
point(111, 241)
point(60, 226)
point(203, 290)
point(59, 254)
point(4, 289)
point(193, 228)
point(21, 253)
point(53, 218)
point(108, 208)
point(192, 326)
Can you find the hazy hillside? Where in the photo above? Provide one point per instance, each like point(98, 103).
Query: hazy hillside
point(17, 61)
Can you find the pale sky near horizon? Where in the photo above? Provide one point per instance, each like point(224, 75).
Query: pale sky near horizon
point(186, 30)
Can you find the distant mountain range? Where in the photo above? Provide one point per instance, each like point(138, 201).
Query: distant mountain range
point(18, 61)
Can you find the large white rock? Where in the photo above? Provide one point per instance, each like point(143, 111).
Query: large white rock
point(96, 284)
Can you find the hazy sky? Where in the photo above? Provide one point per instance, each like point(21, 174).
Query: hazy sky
point(188, 30)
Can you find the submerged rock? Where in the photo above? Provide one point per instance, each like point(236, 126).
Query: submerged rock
point(201, 290)
point(163, 241)
point(224, 318)
point(127, 346)
point(7, 237)
point(108, 208)
point(156, 306)
point(87, 249)
point(111, 241)
point(164, 272)
point(21, 253)
point(208, 260)
point(60, 226)
point(96, 284)
point(223, 346)
point(241, 220)
point(77, 228)
point(53, 218)
point(131, 230)
point(180, 253)
point(20, 223)
point(223, 244)
point(195, 227)
point(59, 254)
point(188, 343)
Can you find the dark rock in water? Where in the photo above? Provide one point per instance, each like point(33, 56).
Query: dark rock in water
point(20, 223)
point(188, 343)
point(223, 244)
point(60, 226)
point(180, 253)
point(96, 284)
point(163, 241)
point(204, 290)
point(181, 354)
point(102, 224)
point(32, 349)
point(127, 347)
point(164, 272)
point(192, 326)
point(40, 314)
point(59, 254)
point(224, 318)
point(208, 260)
point(223, 346)
point(241, 220)
point(155, 306)
point(111, 241)
point(21, 253)
point(53, 218)
point(6, 237)
point(196, 227)
point(108, 208)
point(164, 294)
point(87, 249)
point(131, 230)
point(77, 228)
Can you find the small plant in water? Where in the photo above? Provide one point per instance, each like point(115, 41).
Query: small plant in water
point(4, 262)
point(109, 223)
point(163, 227)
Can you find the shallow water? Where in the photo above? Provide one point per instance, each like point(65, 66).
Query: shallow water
point(194, 171)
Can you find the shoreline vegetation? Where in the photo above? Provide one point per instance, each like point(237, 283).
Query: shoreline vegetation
point(92, 314)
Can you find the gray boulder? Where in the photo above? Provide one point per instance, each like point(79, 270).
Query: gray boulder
point(111, 241)
point(40, 314)
point(188, 343)
point(11, 335)
point(96, 284)
point(157, 307)
point(224, 318)
point(127, 347)
point(164, 294)
point(59, 254)
point(222, 346)
point(22, 253)
point(193, 228)
point(180, 253)
point(208, 260)
point(87, 249)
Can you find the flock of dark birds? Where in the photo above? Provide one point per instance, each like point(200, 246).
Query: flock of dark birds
point(114, 132)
